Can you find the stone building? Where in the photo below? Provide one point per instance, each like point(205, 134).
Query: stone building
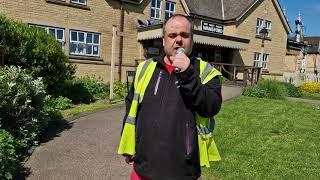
point(226, 31)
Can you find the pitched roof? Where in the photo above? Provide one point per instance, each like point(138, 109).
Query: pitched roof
point(314, 41)
point(219, 9)
point(234, 8)
point(207, 8)
point(228, 10)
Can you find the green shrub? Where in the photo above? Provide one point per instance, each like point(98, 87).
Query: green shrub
point(292, 90)
point(267, 89)
point(8, 157)
point(274, 89)
point(59, 103)
point(120, 90)
point(254, 91)
point(21, 105)
point(84, 90)
point(36, 51)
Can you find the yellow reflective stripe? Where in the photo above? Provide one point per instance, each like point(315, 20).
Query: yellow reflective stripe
point(206, 71)
point(136, 96)
point(142, 85)
point(140, 66)
point(203, 130)
point(144, 68)
point(131, 120)
point(213, 73)
point(202, 66)
point(133, 108)
point(208, 151)
point(142, 79)
point(127, 141)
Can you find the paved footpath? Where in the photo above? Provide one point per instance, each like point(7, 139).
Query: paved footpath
point(86, 148)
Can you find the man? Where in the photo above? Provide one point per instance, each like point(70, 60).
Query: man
point(166, 139)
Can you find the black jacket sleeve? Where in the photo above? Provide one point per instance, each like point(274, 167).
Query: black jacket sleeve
point(205, 99)
point(128, 101)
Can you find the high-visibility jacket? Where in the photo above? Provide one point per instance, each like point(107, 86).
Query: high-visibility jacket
point(207, 147)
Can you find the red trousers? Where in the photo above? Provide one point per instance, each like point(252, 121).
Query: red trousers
point(135, 176)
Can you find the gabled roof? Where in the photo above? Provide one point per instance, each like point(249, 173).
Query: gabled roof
point(229, 10)
point(207, 8)
point(314, 41)
point(234, 8)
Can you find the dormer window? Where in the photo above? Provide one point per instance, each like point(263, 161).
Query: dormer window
point(170, 7)
point(155, 9)
point(82, 2)
point(261, 23)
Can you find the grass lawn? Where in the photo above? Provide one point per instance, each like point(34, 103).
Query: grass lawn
point(77, 109)
point(267, 139)
point(315, 96)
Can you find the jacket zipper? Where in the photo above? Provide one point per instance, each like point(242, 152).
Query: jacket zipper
point(157, 85)
point(164, 95)
point(188, 143)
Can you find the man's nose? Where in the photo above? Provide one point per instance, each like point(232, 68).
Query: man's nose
point(178, 39)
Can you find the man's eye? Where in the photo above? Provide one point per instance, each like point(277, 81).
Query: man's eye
point(185, 35)
point(172, 35)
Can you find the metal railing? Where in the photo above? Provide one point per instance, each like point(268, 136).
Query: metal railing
point(251, 74)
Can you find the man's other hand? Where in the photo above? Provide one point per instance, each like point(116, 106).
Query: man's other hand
point(129, 159)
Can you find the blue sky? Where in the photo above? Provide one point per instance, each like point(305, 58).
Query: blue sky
point(310, 13)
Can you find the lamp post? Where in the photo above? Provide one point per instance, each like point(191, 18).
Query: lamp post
point(263, 34)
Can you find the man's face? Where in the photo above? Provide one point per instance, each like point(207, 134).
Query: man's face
point(177, 34)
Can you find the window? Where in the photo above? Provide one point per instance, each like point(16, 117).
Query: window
point(265, 60)
point(84, 43)
point(263, 23)
point(256, 59)
point(155, 9)
point(82, 2)
point(57, 33)
point(170, 6)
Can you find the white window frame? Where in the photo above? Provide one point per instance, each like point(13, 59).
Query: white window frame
point(260, 24)
point(168, 11)
point(156, 9)
point(78, 2)
point(47, 29)
point(265, 60)
point(257, 60)
point(85, 43)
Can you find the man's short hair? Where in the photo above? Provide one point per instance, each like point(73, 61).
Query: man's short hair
point(188, 18)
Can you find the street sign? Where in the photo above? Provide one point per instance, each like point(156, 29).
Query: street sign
point(211, 27)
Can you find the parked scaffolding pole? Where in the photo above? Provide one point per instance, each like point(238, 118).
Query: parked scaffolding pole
point(114, 35)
